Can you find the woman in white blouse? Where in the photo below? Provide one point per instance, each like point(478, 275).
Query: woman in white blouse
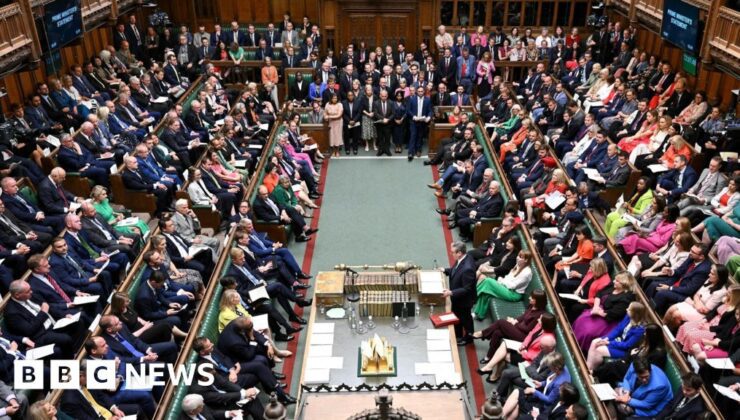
point(603, 95)
point(511, 287)
point(656, 140)
point(672, 255)
point(200, 196)
point(708, 297)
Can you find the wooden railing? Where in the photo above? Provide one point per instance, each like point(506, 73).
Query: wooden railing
point(13, 36)
point(726, 39)
point(653, 8)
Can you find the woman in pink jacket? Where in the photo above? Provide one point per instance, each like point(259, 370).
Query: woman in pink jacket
point(639, 243)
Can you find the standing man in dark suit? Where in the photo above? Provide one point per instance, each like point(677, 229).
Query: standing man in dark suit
point(383, 111)
point(447, 68)
point(419, 111)
point(461, 291)
point(351, 117)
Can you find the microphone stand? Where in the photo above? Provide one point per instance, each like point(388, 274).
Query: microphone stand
point(410, 324)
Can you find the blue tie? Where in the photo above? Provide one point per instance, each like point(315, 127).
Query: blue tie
point(131, 349)
point(257, 239)
point(249, 275)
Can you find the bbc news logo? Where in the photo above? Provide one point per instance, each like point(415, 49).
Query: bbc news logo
point(102, 374)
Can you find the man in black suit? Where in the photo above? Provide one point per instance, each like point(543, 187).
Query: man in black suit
point(13, 232)
point(352, 115)
point(102, 235)
point(495, 245)
point(271, 36)
point(126, 345)
point(205, 52)
point(84, 403)
point(224, 395)
point(252, 38)
point(267, 210)
point(253, 352)
point(27, 211)
point(181, 250)
point(194, 408)
point(448, 68)
point(442, 97)
point(679, 99)
point(461, 292)
point(686, 404)
point(299, 89)
point(152, 305)
point(488, 206)
point(134, 180)
point(383, 111)
point(54, 199)
point(223, 365)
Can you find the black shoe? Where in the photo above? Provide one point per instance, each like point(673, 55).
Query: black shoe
point(298, 320)
point(452, 226)
point(483, 361)
point(302, 286)
point(445, 212)
point(278, 376)
point(310, 232)
point(411, 157)
point(302, 238)
point(347, 152)
point(304, 276)
point(287, 399)
point(281, 384)
point(482, 372)
point(314, 196)
point(354, 151)
point(283, 337)
point(380, 153)
point(465, 341)
point(427, 162)
point(304, 302)
point(293, 330)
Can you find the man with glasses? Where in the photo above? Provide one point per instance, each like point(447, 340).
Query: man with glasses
point(677, 284)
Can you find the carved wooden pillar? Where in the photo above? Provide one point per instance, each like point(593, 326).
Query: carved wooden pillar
point(632, 15)
point(30, 27)
point(711, 24)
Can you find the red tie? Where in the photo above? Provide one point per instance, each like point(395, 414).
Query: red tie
point(688, 270)
point(58, 289)
point(464, 68)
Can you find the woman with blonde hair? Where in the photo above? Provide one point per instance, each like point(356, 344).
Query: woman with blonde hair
point(115, 218)
point(595, 280)
point(186, 276)
point(43, 410)
point(621, 339)
point(695, 332)
point(230, 308)
point(484, 71)
point(558, 184)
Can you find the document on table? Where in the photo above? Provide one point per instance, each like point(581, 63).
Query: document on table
point(83, 300)
point(549, 230)
point(259, 322)
point(431, 282)
point(722, 363)
point(447, 317)
point(316, 376)
point(439, 356)
point(605, 392)
point(320, 350)
point(657, 168)
point(258, 293)
point(512, 344)
point(323, 328)
point(727, 392)
point(40, 352)
point(437, 345)
point(438, 335)
point(324, 362)
point(322, 339)
point(61, 323)
point(570, 296)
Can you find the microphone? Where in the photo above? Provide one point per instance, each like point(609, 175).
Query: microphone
point(345, 267)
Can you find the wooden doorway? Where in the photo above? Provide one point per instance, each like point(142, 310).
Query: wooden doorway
point(378, 27)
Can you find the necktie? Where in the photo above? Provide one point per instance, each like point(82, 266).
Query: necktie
point(11, 225)
point(87, 246)
point(130, 347)
point(256, 239)
point(689, 269)
point(420, 106)
point(220, 365)
point(272, 205)
point(25, 203)
point(50, 103)
point(680, 179)
point(61, 194)
point(102, 229)
point(464, 68)
point(459, 100)
point(249, 275)
point(74, 264)
point(58, 289)
point(99, 409)
point(383, 108)
point(707, 181)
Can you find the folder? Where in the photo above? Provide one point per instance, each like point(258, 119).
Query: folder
point(444, 319)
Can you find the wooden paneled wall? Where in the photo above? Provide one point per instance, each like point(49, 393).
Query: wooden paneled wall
point(21, 84)
point(260, 11)
point(716, 83)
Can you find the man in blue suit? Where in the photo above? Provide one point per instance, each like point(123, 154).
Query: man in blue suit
point(152, 305)
point(171, 290)
point(263, 247)
point(524, 178)
point(117, 336)
point(461, 291)
point(217, 35)
point(490, 205)
point(27, 211)
point(75, 157)
point(419, 111)
point(234, 35)
point(459, 97)
point(119, 126)
point(682, 282)
point(605, 167)
point(677, 181)
point(59, 296)
point(465, 70)
point(151, 170)
point(646, 389)
point(591, 157)
point(68, 271)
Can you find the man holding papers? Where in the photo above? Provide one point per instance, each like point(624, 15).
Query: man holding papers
point(461, 292)
point(644, 391)
point(677, 181)
point(90, 255)
point(184, 253)
point(31, 319)
point(60, 297)
point(71, 273)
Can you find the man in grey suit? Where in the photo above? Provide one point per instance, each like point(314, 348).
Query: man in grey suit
point(188, 226)
point(12, 404)
point(290, 35)
point(710, 183)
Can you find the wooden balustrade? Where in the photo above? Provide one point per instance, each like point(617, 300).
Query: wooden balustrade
point(654, 8)
point(95, 12)
point(726, 40)
point(15, 42)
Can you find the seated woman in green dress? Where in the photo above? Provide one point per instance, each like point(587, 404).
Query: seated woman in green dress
point(716, 226)
point(99, 197)
point(510, 287)
point(638, 204)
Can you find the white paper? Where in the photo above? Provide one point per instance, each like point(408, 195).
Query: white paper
point(129, 221)
point(310, 147)
point(316, 376)
point(159, 100)
point(525, 376)
point(324, 362)
point(439, 356)
point(321, 350)
point(447, 317)
point(452, 378)
point(240, 163)
point(323, 327)
point(94, 324)
point(438, 335)
point(83, 300)
point(727, 392)
point(668, 333)
point(52, 140)
point(74, 206)
point(322, 339)
point(39, 352)
point(258, 293)
point(259, 322)
point(723, 363)
point(432, 368)
point(549, 230)
point(194, 249)
point(61, 323)
point(726, 156)
point(512, 344)
point(657, 168)
point(554, 200)
point(46, 152)
point(631, 219)
point(570, 296)
point(435, 345)
point(697, 148)
point(263, 126)
point(605, 392)
point(254, 146)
